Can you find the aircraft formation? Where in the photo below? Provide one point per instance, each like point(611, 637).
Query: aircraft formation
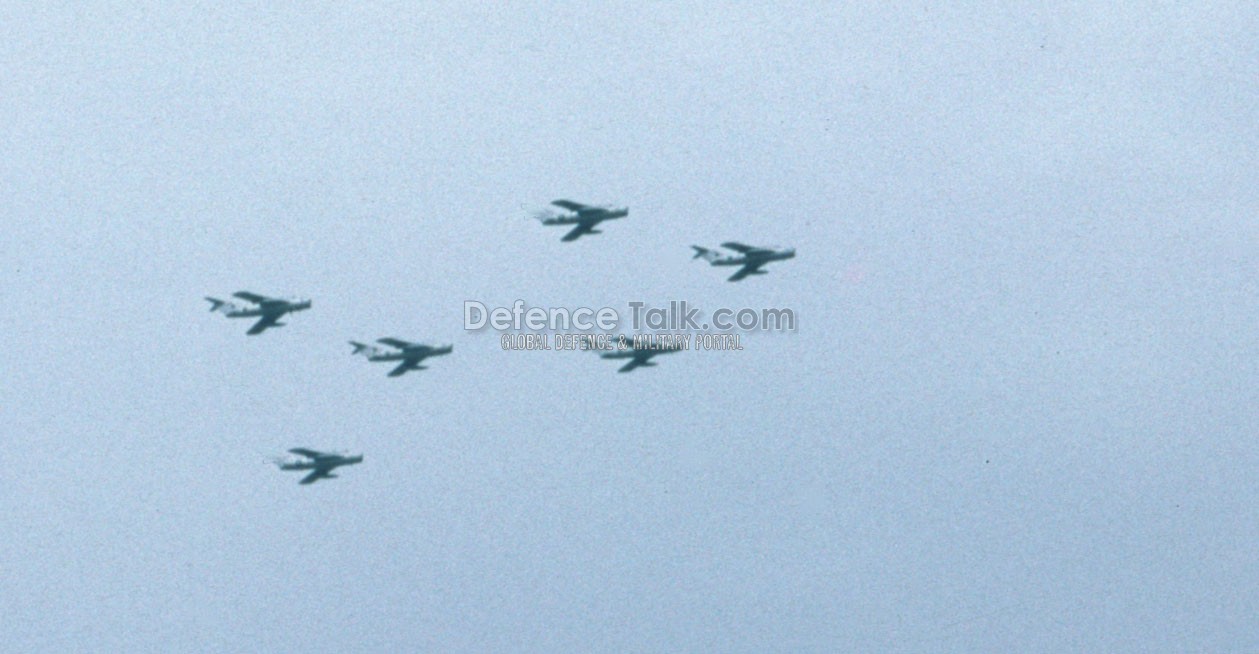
point(409, 356)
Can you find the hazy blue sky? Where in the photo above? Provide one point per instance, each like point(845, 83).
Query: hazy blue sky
point(1019, 413)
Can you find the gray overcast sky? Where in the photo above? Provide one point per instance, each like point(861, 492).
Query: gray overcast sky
point(1019, 413)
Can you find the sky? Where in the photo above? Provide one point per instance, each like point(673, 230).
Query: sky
point(1018, 413)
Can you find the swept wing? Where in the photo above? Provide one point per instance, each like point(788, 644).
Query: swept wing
point(745, 249)
point(263, 323)
point(750, 269)
point(308, 453)
point(571, 206)
point(577, 232)
point(253, 297)
point(409, 364)
point(633, 363)
point(316, 475)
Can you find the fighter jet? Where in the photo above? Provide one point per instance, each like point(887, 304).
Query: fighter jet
point(409, 354)
point(268, 310)
point(752, 258)
point(320, 464)
point(585, 217)
point(639, 357)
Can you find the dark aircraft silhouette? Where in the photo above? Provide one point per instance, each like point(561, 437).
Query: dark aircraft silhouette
point(639, 357)
point(409, 354)
point(321, 464)
point(585, 218)
point(752, 258)
point(267, 310)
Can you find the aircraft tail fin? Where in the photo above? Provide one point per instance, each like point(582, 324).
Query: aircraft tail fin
point(364, 349)
point(284, 463)
point(221, 306)
point(705, 254)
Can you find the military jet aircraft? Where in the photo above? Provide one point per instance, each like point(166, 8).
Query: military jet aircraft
point(639, 357)
point(409, 354)
point(585, 218)
point(267, 310)
point(752, 258)
point(320, 464)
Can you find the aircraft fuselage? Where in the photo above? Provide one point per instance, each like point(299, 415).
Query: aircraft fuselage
point(419, 353)
point(257, 312)
point(586, 217)
point(322, 464)
point(756, 259)
point(643, 354)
